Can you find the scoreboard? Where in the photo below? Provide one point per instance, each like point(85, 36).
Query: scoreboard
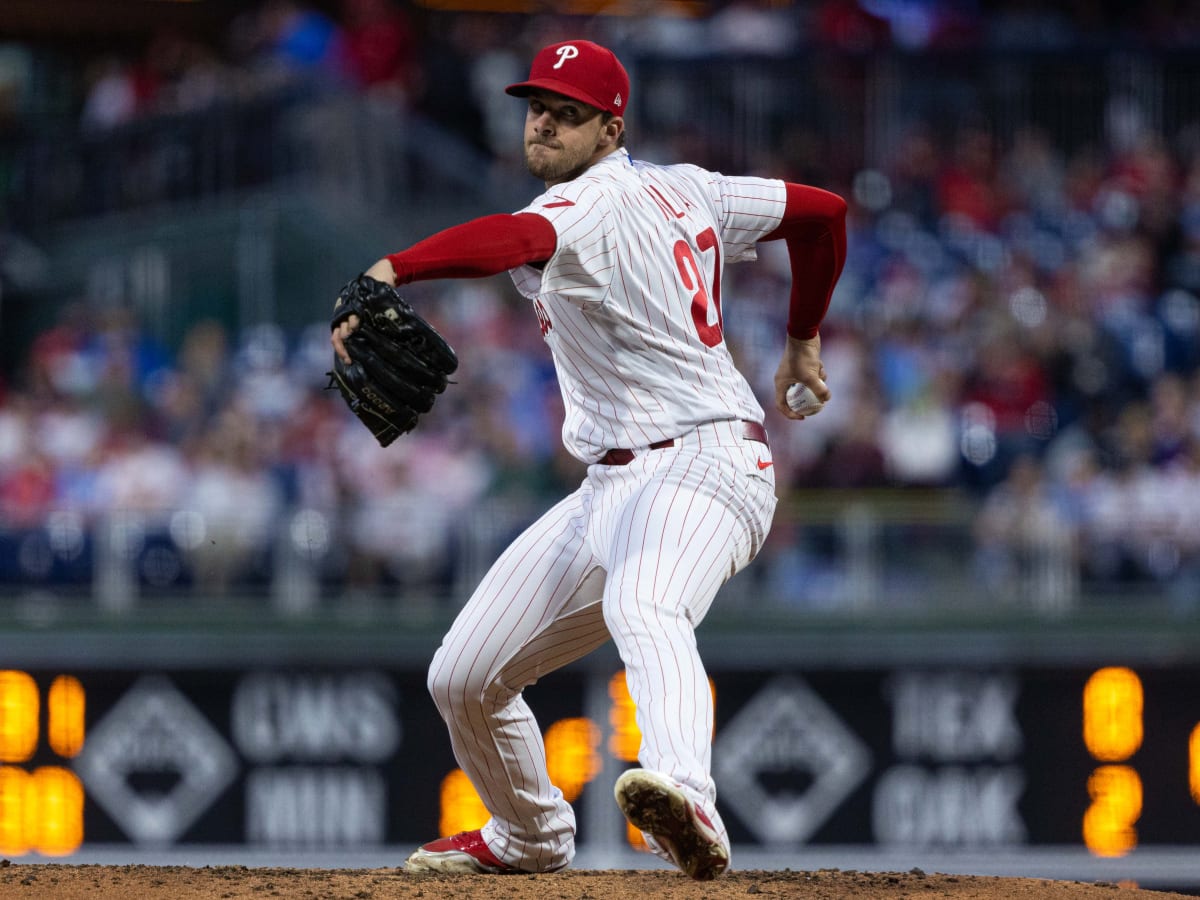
point(970, 758)
point(1105, 758)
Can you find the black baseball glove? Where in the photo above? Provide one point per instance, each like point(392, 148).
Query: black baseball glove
point(399, 361)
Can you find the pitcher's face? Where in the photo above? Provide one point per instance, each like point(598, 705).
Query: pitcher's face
point(563, 137)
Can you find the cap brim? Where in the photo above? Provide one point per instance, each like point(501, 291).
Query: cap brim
point(525, 88)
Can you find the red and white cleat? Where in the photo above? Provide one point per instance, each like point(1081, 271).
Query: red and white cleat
point(464, 853)
point(656, 805)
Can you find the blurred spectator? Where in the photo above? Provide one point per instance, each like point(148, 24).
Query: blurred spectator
point(852, 458)
point(919, 436)
point(112, 95)
point(1029, 23)
point(55, 364)
point(848, 25)
point(1031, 174)
point(16, 81)
point(27, 489)
point(446, 95)
point(1171, 427)
point(753, 26)
point(123, 356)
point(139, 474)
point(190, 395)
point(379, 48)
point(1003, 397)
point(233, 503)
point(1182, 262)
point(406, 504)
point(265, 388)
point(928, 24)
point(299, 38)
point(968, 188)
point(914, 174)
point(182, 75)
point(1025, 545)
point(1182, 493)
point(307, 446)
point(494, 59)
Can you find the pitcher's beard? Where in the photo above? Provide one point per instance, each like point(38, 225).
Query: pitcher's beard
point(553, 169)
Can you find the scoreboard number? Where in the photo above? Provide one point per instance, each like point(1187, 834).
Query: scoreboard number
point(41, 808)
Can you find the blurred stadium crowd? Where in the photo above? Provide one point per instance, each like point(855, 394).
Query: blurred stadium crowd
point(1018, 325)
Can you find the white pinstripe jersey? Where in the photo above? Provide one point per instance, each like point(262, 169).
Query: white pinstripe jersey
point(630, 301)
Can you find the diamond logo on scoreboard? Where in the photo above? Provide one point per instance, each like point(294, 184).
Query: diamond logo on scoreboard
point(785, 762)
point(154, 763)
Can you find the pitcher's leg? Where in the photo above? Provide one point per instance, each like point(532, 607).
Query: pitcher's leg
point(663, 669)
point(676, 540)
point(665, 569)
point(538, 604)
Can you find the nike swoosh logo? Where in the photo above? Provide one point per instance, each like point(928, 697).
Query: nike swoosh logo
point(560, 202)
point(765, 465)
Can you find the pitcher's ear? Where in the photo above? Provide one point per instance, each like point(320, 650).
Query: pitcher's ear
point(613, 129)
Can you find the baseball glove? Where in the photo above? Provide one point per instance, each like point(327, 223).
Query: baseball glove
point(399, 361)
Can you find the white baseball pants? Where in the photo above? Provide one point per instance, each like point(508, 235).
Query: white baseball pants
point(637, 554)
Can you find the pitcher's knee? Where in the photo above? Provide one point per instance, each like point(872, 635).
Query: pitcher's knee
point(457, 689)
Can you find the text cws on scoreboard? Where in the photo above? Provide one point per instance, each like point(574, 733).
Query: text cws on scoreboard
point(1105, 757)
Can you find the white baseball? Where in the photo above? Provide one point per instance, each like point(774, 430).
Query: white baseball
point(801, 399)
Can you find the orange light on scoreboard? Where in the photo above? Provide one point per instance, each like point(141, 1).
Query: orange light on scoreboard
point(626, 737)
point(1112, 714)
point(572, 755)
point(1194, 763)
point(58, 800)
point(1113, 701)
point(19, 709)
point(461, 808)
point(40, 810)
point(1108, 824)
point(65, 708)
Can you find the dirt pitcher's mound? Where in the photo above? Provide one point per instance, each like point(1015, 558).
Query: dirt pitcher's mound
point(93, 882)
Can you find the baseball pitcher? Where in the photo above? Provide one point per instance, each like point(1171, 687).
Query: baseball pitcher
point(621, 262)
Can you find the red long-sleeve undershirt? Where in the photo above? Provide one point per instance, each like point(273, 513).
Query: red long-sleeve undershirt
point(478, 248)
point(813, 224)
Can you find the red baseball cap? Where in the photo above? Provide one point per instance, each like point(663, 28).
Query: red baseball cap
point(580, 70)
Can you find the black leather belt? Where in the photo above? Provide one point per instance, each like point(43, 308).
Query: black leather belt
point(751, 431)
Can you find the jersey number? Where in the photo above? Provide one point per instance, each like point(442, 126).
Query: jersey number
point(689, 273)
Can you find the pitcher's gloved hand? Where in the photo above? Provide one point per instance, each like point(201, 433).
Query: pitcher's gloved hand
point(399, 362)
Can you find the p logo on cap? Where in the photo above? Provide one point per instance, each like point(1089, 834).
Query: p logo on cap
point(581, 70)
point(565, 52)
